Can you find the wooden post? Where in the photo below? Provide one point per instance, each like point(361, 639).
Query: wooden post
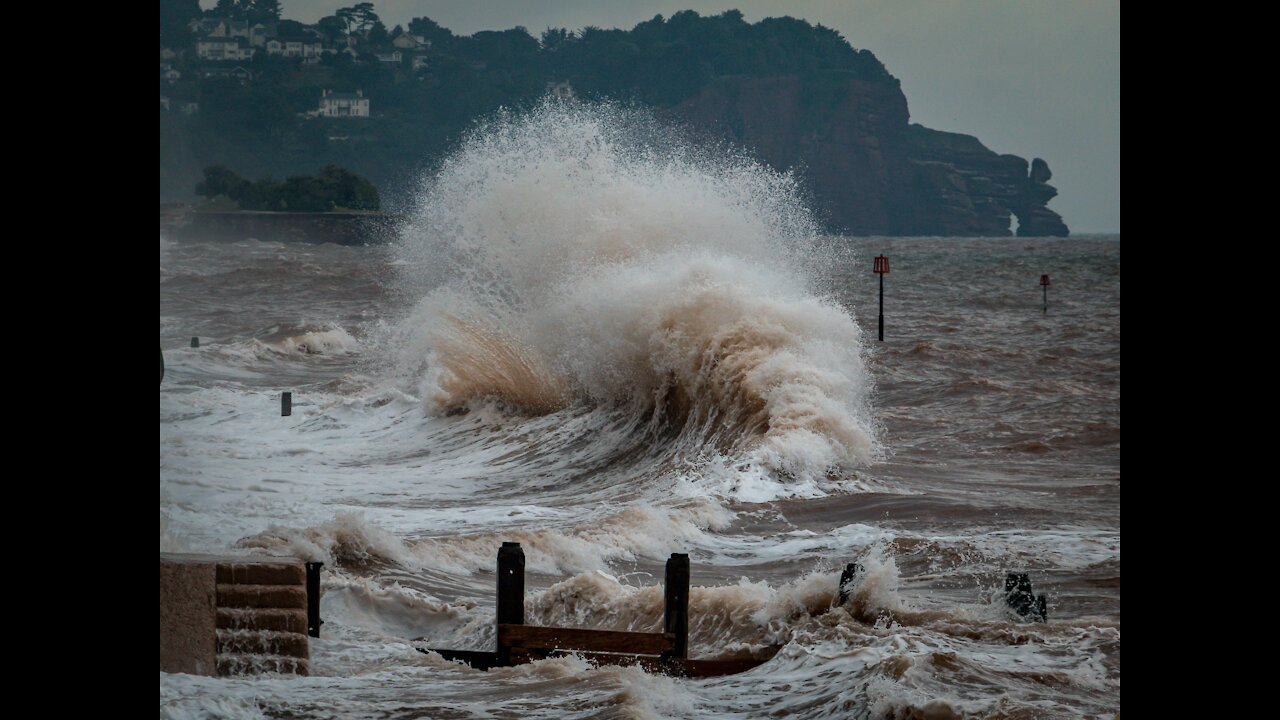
point(676, 609)
point(286, 404)
point(195, 342)
point(510, 593)
point(313, 599)
point(881, 307)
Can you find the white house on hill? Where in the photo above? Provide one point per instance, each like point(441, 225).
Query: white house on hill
point(296, 47)
point(215, 48)
point(561, 91)
point(334, 104)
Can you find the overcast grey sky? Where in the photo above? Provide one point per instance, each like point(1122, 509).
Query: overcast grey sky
point(1036, 78)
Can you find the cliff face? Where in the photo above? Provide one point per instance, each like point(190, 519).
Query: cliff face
point(871, 172)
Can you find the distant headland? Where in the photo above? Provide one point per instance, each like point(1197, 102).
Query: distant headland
point(244, 88)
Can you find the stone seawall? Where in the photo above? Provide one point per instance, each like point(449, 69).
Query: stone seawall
point(232, 615)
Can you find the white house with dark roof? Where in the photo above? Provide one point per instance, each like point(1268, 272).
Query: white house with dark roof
point(295, 47)
point(220, 27)
point(394, 57)
point(405, 41)
point(335, 104)
point(218, 48)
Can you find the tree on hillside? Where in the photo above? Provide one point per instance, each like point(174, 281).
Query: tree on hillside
point(333, 27)
point(378, 36)
point(231, 9)
point(348, 189)
point(431, 31)
point(506, 48)
point(331, 188)
point(262, 11)
point(555, 38)
point(291, 29)
point(220, 180)
point(360, 17)
point(174, 17)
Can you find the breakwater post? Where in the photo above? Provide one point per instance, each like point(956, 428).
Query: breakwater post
point(676, 603)
point(881, 268)
point(510, 593)
point(286, 404)
point(313, 599)
point(195, 342)
point(1044, 283)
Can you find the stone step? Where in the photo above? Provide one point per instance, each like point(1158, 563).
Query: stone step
point(294, 621)
point(261, 573)
point(262, 596)
point(235, 664)
point(262, 642)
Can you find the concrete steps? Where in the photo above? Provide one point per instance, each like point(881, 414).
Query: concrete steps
point(233, 616)
point(278, 619)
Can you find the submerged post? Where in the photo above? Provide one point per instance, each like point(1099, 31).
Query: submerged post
point(1044, 283)
point(195, 342)
point(510, 592)
point(1019, 597)
point(286, 404)
point(881, 268)
point(313, 599)
point(846, 581)
point(676, 607)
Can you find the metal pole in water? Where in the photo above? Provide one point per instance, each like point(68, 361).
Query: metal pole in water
point(1044, 283)
point(286, 404)
point(881, 268)
point(195, 342)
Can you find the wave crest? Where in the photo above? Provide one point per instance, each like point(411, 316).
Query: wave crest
point(587, 255)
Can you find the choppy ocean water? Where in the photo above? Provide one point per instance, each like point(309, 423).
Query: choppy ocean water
point(609, 350)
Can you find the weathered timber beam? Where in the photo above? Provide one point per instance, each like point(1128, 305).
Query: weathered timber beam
point(678, 667)
point(558, 638)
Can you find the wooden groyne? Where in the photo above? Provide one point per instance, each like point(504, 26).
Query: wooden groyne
point(662, 652)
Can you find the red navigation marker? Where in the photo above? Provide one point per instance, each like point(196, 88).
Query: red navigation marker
point(1044, 280)
point(880, 267)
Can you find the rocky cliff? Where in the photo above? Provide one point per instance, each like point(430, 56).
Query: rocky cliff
point(871, 171)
